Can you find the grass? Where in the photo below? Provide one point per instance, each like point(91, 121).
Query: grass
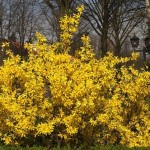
point(108, 147)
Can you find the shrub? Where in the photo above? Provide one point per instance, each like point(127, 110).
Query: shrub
point(56, 98)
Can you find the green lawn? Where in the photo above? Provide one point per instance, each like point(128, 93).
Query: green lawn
point(75, 148)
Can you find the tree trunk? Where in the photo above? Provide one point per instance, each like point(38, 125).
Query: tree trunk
point(1, 19)
point(118, 48)
point(104, 41)
point(105, 28)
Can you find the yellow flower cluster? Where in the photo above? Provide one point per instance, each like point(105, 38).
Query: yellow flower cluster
point(69, 25)
point(79, 100)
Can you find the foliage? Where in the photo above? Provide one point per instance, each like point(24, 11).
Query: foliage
point(56, 98)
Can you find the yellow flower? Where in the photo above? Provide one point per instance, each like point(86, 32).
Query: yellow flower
point(55, 95)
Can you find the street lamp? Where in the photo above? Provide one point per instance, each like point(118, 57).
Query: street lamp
point(147, 44)
point(135, 43)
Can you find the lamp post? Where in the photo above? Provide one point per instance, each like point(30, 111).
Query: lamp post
point(135, 43)
point(135, 40)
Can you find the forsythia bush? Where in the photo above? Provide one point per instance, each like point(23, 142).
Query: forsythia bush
point(74, 100)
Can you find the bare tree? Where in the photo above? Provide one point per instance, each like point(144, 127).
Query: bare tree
point(19, 20)
point(53, 11)
point(126, 16)
point(25, 19)
point(112, 20)
point(99, 13)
